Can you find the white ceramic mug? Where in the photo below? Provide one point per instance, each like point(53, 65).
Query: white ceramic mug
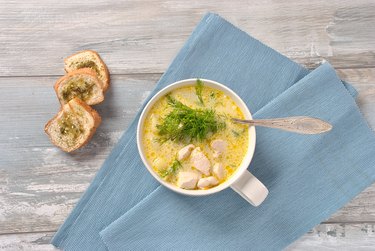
point(241, 181)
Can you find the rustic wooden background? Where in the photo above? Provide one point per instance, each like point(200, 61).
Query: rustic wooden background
point(39, 184)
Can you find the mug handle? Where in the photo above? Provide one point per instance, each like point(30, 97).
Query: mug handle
point(250, 188)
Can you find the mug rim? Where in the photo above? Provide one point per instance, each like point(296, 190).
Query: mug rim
point(246, 159)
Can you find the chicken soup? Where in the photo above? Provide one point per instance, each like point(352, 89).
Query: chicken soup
point(189, 139)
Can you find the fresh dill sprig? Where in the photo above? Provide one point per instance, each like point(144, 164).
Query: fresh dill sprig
point(187, 124)
point(199, 89)
point(212, 95)
point(238, 133)
point(235, 133)
point(170, 170)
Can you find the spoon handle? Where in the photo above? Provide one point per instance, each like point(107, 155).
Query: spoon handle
point(300, 124)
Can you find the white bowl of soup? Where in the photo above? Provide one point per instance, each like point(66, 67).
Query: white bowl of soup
point(187, 141)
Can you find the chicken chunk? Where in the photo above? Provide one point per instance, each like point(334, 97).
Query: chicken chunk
point(219, 147)
point(185, 152)
point(187, 180)
point(207, 182)
point(200, 161)
point(219, 171)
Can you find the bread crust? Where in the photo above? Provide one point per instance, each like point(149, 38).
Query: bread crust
point(97, 121)
point(53, 126)
point(106, 72)
point(96, 117)
point(82, 71)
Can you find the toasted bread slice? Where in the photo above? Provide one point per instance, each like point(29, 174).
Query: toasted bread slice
point(73, 126)
point(88, 59)
point(83, 84)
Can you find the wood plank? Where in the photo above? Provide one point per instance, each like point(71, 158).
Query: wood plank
point(322, 237)
point(143, 36)
point(39, 184)
point(27, 241)
point(364, 81)
point(337, 237)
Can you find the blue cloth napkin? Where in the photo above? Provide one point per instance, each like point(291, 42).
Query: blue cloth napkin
point(309, 177)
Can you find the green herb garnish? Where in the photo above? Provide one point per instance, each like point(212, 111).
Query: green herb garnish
point(170, 170)
point(187, 124)
point(199, 89)
point(77, 88)
point(70, 129)
point(212, 95)
point(237, 133)
point(88, 64)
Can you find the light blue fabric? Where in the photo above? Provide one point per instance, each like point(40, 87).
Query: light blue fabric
point(309, 177)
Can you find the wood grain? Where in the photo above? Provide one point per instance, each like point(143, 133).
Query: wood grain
point(359, 237)
point(143, 36)
point(40, 184)
point(27, 241)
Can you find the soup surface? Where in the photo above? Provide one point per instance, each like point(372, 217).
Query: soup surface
point(189, 139)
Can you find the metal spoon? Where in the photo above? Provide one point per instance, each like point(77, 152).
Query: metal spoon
point(300, 124)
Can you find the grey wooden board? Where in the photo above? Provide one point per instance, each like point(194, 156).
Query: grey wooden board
point(337, 237)
point(324, 237)
point(143, 36)
point(40, 184)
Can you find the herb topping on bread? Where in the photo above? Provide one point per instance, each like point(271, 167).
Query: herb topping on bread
point(88, 59)
point(81, 83)
point(73, 126)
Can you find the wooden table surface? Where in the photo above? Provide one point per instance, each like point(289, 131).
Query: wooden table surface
point(39, 184)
